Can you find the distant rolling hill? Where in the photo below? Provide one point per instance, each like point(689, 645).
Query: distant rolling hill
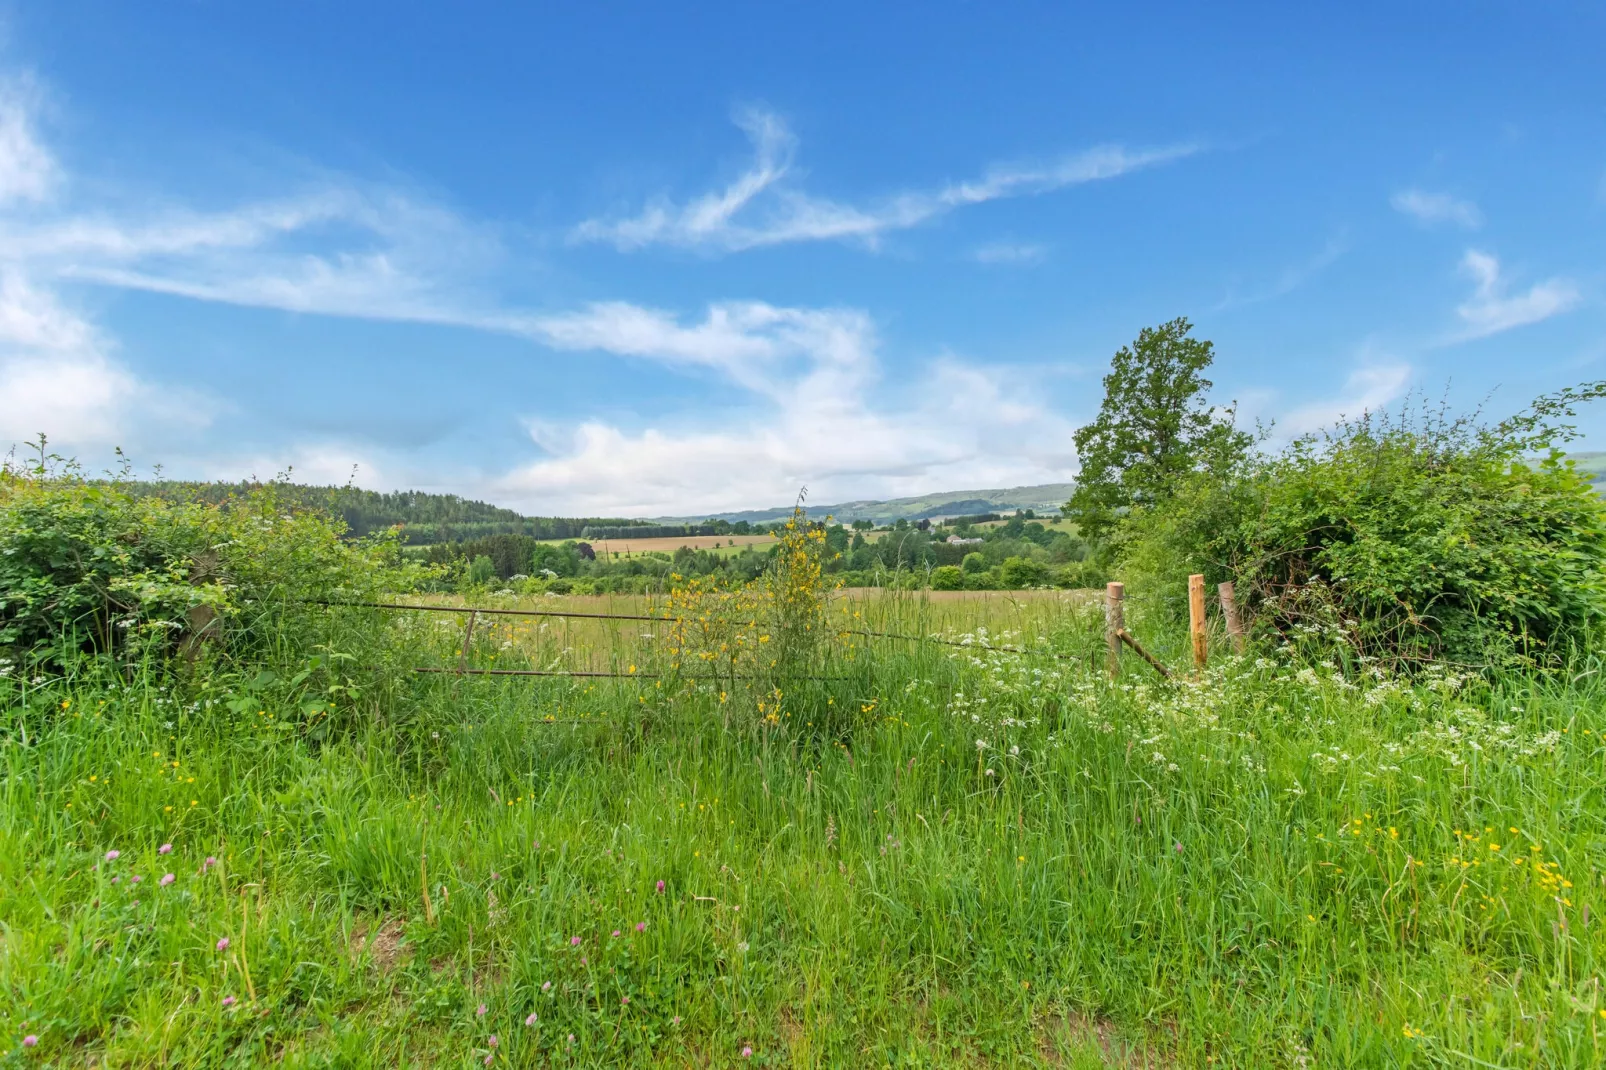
point(1593, 465)
point(1044, 498)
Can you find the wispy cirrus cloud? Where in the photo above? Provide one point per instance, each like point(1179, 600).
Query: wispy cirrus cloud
point(1377, 380)
point(28, 171)
point(1434, 208)
point(763, 206)
point(810, 407)
point(1290, 278)
point(1492, 310)
point(1010, 253)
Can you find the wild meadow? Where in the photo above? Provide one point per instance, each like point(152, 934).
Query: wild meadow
point(974, 858)
point(774, 821)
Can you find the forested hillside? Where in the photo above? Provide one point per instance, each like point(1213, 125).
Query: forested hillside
point(424, 518)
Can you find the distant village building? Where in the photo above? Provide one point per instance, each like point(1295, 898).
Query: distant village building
point(955, 540)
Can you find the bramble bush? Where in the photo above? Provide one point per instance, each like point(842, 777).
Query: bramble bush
point(1408, 537)
point(88, 568)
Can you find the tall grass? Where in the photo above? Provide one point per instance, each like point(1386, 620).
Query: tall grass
point(941, 855)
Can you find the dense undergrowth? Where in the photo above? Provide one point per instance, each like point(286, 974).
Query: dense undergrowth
point(998, 858)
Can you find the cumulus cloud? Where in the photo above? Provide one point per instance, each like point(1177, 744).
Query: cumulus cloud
point(1491, 310)
point(1433, 208)
point(819, 419)
point(57, 377)
point(58, 374)
point(762, 206)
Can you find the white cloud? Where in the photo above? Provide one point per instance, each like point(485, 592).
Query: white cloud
point(1372, 385)
point(1004, 252)
point(1291, 278)
point(56, 378)
point(1491, 311)
point(27, 171)
point(761, 208)
point(817, 420)
point(1431, 208)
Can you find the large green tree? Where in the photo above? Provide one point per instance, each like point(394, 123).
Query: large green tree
point(1154, 427)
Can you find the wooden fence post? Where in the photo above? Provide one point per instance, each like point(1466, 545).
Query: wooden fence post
point(1196, 620)
point(1229, 612)
point(1114, 624)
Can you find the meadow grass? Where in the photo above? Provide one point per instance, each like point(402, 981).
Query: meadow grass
point(942, 856)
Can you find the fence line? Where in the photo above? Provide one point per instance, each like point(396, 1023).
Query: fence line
point(474, 611)
point(496, 612)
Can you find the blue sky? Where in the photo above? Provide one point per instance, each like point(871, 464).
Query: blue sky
point(629, 259)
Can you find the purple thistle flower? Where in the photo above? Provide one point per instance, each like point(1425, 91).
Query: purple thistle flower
point(167, 878)
point(223, 943)
point(616, 932)
point(747, 1053)
point(112, 856)
point(29, 1041)
point(574, 941)
point(641, 926)
point(660, 887)
point(165, 849)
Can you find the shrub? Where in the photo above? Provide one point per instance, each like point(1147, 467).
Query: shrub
point(89, 567)
point(481, 571)
point(947, 578)
point(1022, 572)
point(1410, 537)
point(974, 563)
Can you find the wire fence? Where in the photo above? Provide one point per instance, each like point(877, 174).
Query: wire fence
point(475, 611)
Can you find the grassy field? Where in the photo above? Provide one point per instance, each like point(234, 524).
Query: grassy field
point(729, 543)
point(989, 859)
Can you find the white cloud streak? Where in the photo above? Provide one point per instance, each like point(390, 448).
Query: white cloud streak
point(1491, 310)
point(762, 207)
point(1372, 385)
point(28, 172)
point(1430, 209)
point(1010, 253)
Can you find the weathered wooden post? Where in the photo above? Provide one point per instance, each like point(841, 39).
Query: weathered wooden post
point(1114, 625)
point(1229, 613)
point(1196, 620)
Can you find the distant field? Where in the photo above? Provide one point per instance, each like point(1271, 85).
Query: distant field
point(669, 545)
point(587, 642)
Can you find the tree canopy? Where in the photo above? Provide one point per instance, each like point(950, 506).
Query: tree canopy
point(1154, 427)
